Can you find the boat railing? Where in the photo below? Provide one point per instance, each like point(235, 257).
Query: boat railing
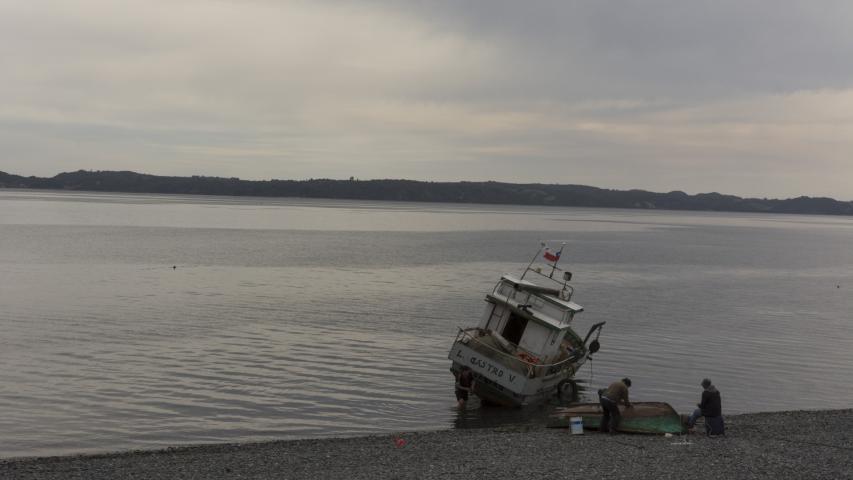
point(523, 296)
point(534, 369)
point(565, 291)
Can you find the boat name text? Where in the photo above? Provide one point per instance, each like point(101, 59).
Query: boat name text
point(489, 367)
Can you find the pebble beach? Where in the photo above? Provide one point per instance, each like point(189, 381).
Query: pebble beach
point(797, 444)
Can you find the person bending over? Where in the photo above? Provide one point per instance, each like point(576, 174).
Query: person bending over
point(610, 398)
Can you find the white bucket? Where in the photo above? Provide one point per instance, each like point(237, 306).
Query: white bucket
point(577, 425)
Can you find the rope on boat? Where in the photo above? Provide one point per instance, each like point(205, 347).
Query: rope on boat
point(589, 359)
point(529, 364)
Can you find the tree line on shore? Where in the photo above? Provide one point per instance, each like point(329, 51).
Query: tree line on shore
point(417, 191)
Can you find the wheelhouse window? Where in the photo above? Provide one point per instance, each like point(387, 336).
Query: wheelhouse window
point(514, 328)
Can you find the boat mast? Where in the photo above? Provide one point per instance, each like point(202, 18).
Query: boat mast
point(542, 245)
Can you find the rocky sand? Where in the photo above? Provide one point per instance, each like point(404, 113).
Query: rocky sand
point(781, 445)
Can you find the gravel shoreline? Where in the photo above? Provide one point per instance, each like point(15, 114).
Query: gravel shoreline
point(799, 444)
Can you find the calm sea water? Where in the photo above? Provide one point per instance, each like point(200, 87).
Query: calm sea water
point(287, 318)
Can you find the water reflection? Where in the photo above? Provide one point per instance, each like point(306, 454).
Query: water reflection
point(477, 414)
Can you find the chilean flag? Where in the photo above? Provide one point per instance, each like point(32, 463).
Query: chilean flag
point(551, 256)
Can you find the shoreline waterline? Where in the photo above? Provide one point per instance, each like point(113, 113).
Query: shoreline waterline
point(791, 444)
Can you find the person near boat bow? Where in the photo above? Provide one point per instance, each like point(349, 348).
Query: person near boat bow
point(464, 385)
point(609, 399)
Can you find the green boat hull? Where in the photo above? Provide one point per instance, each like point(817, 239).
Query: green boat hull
point(642, 417)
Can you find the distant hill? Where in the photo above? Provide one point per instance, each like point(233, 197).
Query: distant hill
point(413, 191)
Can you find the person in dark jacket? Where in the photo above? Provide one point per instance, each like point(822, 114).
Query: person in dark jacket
point(464, 385)
point(609, 399)
point(711, 405)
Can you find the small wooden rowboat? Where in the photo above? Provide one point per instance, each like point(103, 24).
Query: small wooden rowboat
point(642, 417)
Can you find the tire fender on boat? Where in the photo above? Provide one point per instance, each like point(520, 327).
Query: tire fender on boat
point(566, 387)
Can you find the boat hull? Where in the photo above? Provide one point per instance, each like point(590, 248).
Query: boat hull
point(502, 384)
point(642, 417)
point(497, 395)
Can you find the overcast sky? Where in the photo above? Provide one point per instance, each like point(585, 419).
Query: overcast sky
point(752, 98)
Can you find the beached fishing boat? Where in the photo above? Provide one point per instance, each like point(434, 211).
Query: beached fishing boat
point(524, 348)
point(642, 417)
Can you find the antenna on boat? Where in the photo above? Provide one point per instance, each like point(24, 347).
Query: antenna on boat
point(541, 246)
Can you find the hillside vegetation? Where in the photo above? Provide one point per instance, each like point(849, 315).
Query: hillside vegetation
point(414, 191)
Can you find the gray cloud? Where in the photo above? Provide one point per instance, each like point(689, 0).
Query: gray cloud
point(661, 48)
